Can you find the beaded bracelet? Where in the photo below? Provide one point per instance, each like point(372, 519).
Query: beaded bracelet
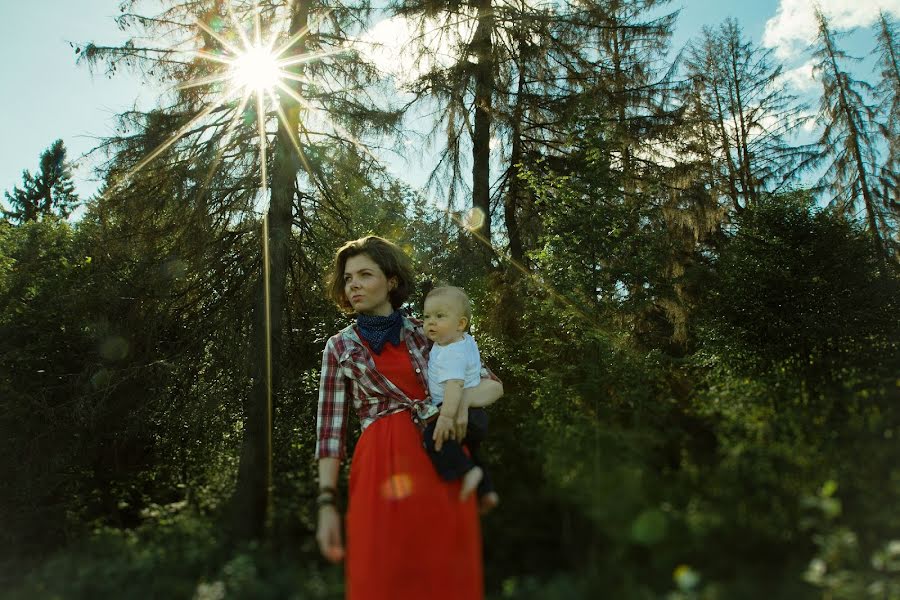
point(327, 496)
point(325, 501)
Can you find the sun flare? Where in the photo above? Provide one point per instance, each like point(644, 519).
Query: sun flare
point(255, 77)
point(256, 73)
point(256, 69)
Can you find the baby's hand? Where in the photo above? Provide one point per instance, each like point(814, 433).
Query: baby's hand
point(462, 422)
point(443, 431)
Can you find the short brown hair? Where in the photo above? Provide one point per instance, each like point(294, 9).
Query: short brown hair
point(388, 256)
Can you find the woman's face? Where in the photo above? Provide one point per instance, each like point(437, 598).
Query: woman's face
point(366, 286)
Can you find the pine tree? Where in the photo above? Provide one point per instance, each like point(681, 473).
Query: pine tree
point(629, 83)
point(740, 118)
point(542, 82)
point(640, 191)
point(847, 141)
point(464, 90)
point(888, 89)
point(323, 105)
point(49, 191)
point(619, 224)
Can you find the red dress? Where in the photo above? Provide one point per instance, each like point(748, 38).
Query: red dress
point(408, 535)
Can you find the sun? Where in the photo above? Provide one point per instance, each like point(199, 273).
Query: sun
point(256, 69)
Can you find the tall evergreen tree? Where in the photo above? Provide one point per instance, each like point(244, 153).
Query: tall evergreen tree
point(624, 134)
point(739, 117)
point(847, 141)
point(464, 89)
point(49, 191)
point(320, 106)
point(629, 85)
point(888, 89)
point(622, 223)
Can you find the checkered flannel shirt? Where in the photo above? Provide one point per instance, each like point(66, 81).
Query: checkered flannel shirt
point(349, 376)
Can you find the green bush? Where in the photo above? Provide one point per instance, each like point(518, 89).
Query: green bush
point(181, 556)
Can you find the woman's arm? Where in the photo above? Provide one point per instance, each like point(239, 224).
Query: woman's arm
point(484, 394)
point(328, 472)
point(328, 529)
point(331, 422)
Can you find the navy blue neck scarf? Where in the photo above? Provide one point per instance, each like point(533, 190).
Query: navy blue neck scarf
point(377, 330)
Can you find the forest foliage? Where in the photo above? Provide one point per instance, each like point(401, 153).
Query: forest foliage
point(693, 308)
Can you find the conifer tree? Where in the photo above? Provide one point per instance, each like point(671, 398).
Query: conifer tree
point(626, 220)
point(495, 76)
point(629, 85)
point(740, 118)
point(847, 142)
point(888, 89)
point(49, 191)
point(321, 107)
point(464, 88)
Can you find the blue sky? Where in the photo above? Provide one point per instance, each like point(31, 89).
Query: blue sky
point(47, 96)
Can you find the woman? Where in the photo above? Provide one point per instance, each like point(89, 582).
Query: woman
point(408, 534)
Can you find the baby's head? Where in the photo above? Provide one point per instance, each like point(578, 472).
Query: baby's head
point(447, 314)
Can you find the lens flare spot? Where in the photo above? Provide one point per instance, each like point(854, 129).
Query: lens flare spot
point(114, 348)
point(685, 577)
point(397, 487)
point(101, 379)
point(650, 527)
point(474, 219)
point(175, 268)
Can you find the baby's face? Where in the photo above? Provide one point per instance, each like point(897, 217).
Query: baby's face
point(444, 319)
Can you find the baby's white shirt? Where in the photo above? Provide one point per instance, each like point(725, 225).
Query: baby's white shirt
point(459, 360)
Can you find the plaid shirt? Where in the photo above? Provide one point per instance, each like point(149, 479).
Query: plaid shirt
point(349, 375)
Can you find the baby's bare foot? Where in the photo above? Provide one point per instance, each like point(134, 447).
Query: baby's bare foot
point(488, 502)
point(470, 481)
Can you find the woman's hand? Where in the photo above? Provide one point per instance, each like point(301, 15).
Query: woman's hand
point(443, 431)
point(328, 534)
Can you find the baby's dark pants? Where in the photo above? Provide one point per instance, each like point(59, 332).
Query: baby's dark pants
point(452, 462)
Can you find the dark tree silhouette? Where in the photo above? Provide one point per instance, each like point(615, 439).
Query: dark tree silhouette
point(49, 191)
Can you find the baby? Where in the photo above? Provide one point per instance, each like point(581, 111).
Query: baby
point(455, 363)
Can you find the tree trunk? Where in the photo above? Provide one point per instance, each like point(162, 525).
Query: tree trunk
point(868, 200)
point(726, 152)
point(481, 137)
point(252, 496)
point(510, 205)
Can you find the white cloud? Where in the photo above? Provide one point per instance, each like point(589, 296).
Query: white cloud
point(385, 45)
point(810, 124)
point(801, 78)
point(391, 47)
point(794, 25)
